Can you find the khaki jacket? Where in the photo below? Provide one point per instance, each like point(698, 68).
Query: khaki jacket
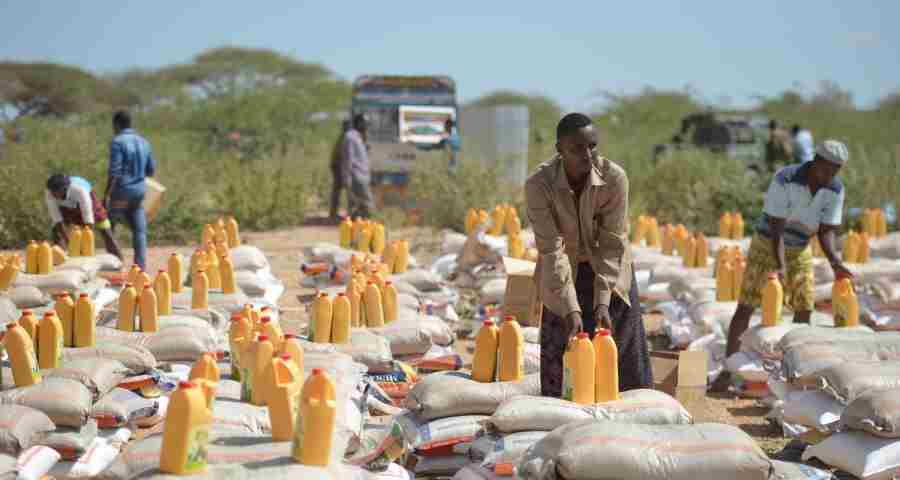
point(599, 230)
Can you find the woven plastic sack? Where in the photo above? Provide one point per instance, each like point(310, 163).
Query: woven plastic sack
point(875, 412)
point(590, 450)
point(764, 340)
point(56, 282)
point(67, 402)
point(99, 375)
point(173, 344)
point(443, 466)
point(804, 360)
point(119, 407)
point(247, 257)
point(502, 453)
point(865, 456)
point(448, 395)
point(798, 471)
point(20, 426)
point(423, 280)
point(136, 359)
point(369, 349)
point(847, 381)
point(28, 297)
point(421, 434)
point(812, 409)
point(71, 442)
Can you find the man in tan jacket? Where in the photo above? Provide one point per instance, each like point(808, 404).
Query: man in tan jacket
point(578, 206)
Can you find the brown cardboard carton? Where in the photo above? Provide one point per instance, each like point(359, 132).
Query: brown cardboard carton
point(521, 297)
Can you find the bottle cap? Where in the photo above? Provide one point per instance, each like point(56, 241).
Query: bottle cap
point(11, 326)
point(388, 282)
point(266, 309)
point(582, 335)
point(50, 313)
point(773, 276)
point(262, 338)
point(323, 295)
point(317, 371)
point(265, 320)
point(186, 385)
point(161, 270)
point(488, 323)
point(285, 356)
point(509, 318)
point(128, 285)
point(237, 316)
point(83, 295)
point(603, 332)
point(342, 294)
point(27, 312)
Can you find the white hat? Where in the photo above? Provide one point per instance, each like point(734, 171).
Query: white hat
point(833, 151)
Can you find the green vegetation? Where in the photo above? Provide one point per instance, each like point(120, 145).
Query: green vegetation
point(249, 132)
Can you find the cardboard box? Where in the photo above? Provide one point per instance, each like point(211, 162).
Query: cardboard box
point(153, 198)
point(521, 297)
point(682, 374)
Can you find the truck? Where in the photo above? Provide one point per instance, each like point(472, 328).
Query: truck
point(736, 136)
point(406, 115)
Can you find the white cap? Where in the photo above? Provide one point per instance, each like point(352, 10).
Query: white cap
point(833, 151)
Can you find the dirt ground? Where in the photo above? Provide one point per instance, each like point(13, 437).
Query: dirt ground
point(283, 247)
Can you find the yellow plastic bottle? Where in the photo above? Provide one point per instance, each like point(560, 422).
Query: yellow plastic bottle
point(701, 251)
point(373, 306)
point(516, 246)
point(483, 217)
point(31, 257)
point(213, 273)
point(315, 424)
point(882, 224)
point(45, 259)
point(260, 354)
point(364, 240)
point(378, 239)
point(510, 363)
point(22, 358)
point(346, 232)
point(127, 308)
point(65, 310)
point(389, 300)
point(273, 331)
point(725, 222)
point(50, 340)
point(186, 431)
point(668, 239)
point(205, 368)
point(607, 367)
point(239, 333)
point(233, 232)
point(163, 287)
point(689, 257)
point(845, 304)
point(208, 234)
point(390, 255)
point(200, 291)
point(29, 323)
point(725, 282)
point(85, 324)
point(58, 254)
point(293, 348)
point(149, 309)
point(322, 315)
point(133, 276)
point(513, 224)
point(863, 249)
point(355, 307)
point(739, 267)
point(471, 221)
point(487, 343)
point(282, 396)
point(640, 230)
point(74, 246)
point(772, 300)
point(401, 263)
point(851, 247)
point(174, 267)
point(498, 217)
point(222, 251)
point(87, 242)
point(340, 325)
point(584, 376)
point(9, 272)
point(653, 237)
point(226, 268)
point(198, 261)
point(737, 226)
point(221, 235)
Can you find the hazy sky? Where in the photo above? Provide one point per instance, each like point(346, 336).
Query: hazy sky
point(566, 50)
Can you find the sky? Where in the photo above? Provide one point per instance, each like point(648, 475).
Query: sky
point(728, 52)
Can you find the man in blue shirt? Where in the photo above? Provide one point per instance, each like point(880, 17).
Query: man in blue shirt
point(804, 200)
point(130, 162)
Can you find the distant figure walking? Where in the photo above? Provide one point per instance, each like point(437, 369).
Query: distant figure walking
point(779, 148)
point(130, 162)
point(337, 176)
point(804, 148)
point(355, 168)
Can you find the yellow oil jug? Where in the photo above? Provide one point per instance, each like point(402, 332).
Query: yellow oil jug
point(128, 300)
point(640, 231)
point(346, 232)
point(689, 257)
point(293, 348)
point(29, 323)
point(238, 335)
point(373, 306)
point(9, 272)
point(74, 246)
point(315, 424)
point(198, 261)
point(31, 257)
point(510, 363)
point(340, 325)
point(725, 282)
point(702, 252)
point(364, 240)
point(487, 344)
point(208, 234)
point(390, 255)
point(273, 331)
point(668, 239)
point(45, 259)
point(772, 301)
point(740, 265)
point(737, 226)
point(58, 254)
point(87, 242)
point(200, 291)
point(22, 358)
point(725, 222)
point(882, 224)
point(401, 264)
point(85, 323)
point(229, 282)
point(163, 287)
point(233, 232)
point(583, 371)
point(355, 307)
point(864, 250)
point(322, 315)
point(653, 237)
point(378, 239)
point(148, 307)
point(513, 224)
point(221, 235)
point(205, 367)
point(498, 218)
point(260, 354)
point(851, 247)
point(50, 341)
point(516, 246)
point(282, 397)
point(471, 221)
point(389, 301)
point(845, 303)
point(607, 367)
point(213, 273)
point(65, 309)
point(186, 431)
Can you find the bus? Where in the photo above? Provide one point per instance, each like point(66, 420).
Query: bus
point(404, 114)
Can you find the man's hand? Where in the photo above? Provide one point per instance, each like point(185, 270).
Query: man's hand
point(572, 324)
point(782, 275)
point(603, 318)
point(841, 271)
